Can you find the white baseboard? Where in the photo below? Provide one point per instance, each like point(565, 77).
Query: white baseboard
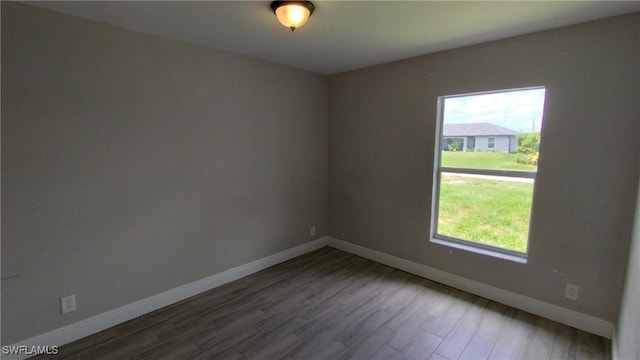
point(114, 317)
point(562, 315)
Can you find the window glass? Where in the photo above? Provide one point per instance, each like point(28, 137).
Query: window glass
point(486, 168)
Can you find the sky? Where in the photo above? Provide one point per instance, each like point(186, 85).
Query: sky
point(519, 110)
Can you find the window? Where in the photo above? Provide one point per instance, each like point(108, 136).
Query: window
point(483, 194)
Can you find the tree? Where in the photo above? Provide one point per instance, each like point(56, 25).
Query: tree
point(528, 145)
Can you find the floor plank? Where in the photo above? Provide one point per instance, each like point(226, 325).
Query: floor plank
point(513, 337)
point(478, 348)
point(329, 304)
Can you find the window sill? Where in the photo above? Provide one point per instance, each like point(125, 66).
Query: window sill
point(522, 259)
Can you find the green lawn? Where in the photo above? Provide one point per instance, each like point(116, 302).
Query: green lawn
point(492, 212)
point(484, 160)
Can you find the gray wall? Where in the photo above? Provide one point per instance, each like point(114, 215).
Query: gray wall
point(628, 328)
point(133, 164)
point(381, 143)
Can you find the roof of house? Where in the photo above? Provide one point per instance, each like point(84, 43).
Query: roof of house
point(476, 129)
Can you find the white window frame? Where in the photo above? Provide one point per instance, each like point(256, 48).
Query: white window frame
point(463, 244)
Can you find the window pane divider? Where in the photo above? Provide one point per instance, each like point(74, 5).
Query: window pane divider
point(506, 173)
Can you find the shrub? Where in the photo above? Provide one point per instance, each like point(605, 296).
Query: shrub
point(529, 159)
point(528, 147)
point(528, 143)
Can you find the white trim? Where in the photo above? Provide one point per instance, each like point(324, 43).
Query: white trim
point(119, 315)
point(481, 249)
point(562, 315)
point(614, 344)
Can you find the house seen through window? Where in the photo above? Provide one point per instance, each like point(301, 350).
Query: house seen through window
point(485, 169)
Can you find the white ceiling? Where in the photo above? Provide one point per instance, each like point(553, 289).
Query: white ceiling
point(341, 35)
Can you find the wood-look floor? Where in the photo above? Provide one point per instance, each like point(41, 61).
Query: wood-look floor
point(329, 304)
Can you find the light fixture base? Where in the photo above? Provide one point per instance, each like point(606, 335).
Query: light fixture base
point(292, 14)
point(308, 4)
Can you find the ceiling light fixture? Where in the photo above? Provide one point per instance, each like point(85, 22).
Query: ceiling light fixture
point(292, 14)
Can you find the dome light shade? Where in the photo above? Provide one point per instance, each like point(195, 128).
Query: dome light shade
point(292, 14)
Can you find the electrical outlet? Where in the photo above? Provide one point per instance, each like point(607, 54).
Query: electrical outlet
point(68, 304)
point(571, 292)
point(312, 232)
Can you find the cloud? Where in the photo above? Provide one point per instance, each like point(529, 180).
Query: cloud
point(520, 110)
